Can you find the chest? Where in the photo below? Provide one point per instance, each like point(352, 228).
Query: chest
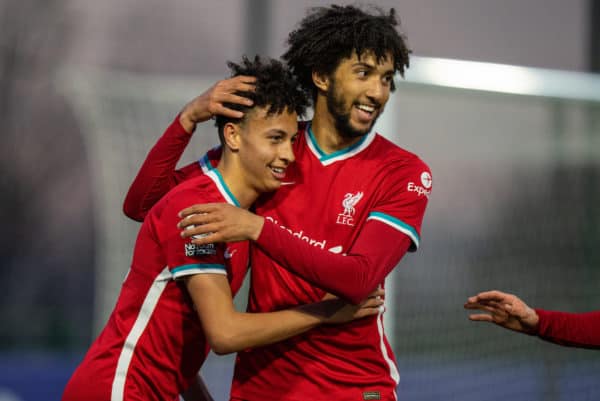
point(325, 202)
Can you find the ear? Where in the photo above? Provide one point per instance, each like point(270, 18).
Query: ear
point(320, 80)
point(231, 135)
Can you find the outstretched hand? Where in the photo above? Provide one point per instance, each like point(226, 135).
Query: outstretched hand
point(219, 222)
point(505, 310)
point(213, 101)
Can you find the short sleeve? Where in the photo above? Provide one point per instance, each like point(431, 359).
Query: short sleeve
point(183, 257)
point(405, 191)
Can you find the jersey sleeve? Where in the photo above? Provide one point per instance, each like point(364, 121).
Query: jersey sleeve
point(353, 276)
point(158, 173)
point(404, 194)
point(182, 256)
point(392, 227)
point(570, 329)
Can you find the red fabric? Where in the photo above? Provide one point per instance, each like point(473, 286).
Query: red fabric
point(158, 175)
point(570, 329)
point(330, 201)
point(377, 251)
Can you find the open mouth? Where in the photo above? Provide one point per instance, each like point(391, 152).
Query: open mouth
point(366, 113)
point(278, 172)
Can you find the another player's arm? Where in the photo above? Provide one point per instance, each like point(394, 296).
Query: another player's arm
point(391, 229)
point(158, 173)
point(206, 279)
point(376, 252)
point(228, 330)
point(509, 311)
point(381, 243)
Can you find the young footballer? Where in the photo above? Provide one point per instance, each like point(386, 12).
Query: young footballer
point(346, 214)
point(176, 300)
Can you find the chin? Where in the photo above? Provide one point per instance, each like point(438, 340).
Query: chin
point(271, 187)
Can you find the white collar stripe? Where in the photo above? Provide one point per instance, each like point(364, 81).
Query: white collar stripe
point(218, 180)
point(204, 162)
point(327, 159)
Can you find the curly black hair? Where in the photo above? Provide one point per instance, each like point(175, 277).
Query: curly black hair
point(329, 34)
point(276, 90)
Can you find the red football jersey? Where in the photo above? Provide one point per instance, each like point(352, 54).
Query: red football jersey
point(327, 201)
point(153, 344)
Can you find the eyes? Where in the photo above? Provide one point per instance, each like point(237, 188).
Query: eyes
point(280, 138)
point(365, 73)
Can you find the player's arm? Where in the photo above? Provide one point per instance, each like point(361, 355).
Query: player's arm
point(228, 330)
point(158, 173)
point(509, 311)
point(203, 268)
point(570, 329)
point(392, 227)
point(375, 253)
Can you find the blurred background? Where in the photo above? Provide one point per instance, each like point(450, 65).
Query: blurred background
point(511, 133)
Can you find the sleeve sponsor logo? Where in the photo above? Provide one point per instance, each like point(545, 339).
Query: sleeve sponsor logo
point(199, 250)
point(425, 188)
point(426, 179)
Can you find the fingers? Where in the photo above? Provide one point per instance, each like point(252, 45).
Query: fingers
point(199, 209)
point(379, 292)
point(372, 303)
point(493, 295)
point(226, 91)
point(481, 317)
point(365, 312)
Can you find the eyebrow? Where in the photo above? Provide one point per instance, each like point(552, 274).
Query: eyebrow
point(372, 67)
point(277, 131)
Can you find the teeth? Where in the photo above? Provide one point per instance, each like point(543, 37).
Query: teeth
point(277, 169)
point(368, 109)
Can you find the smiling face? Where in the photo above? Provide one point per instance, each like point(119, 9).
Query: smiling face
point(357, 92)
point(264, 147)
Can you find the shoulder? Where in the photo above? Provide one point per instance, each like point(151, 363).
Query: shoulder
point(199, 189)
point(395, 157)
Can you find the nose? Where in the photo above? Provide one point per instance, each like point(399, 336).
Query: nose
point(287, 152)
point(378, 91)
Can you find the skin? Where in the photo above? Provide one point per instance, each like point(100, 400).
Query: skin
point(354, 83)
point(212, 101)
point(505, 310)
point(348, 103)
point(256, 153)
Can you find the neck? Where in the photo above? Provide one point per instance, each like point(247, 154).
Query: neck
point(326, 133)
point(235, 181)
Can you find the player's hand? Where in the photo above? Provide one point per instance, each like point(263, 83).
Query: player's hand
point(346, 312)
point(503, 309)
point(212, 102)
point(219, 222)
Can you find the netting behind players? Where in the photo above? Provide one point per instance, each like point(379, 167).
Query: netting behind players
point(515, 207)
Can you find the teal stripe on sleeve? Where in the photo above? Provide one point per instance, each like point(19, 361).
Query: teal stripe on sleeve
point(397, 224)
point(198, 266)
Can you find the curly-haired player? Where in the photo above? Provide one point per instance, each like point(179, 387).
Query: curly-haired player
point(177, 297)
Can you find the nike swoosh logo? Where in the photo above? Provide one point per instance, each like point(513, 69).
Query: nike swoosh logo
point(228, 254)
